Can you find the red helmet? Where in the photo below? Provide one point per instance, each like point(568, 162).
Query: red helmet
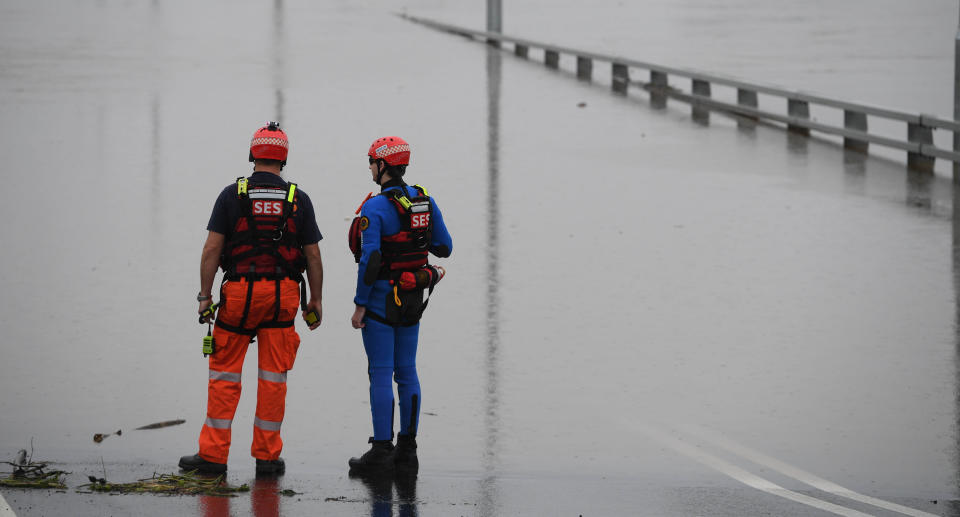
point(269, 143)
point(392, 149)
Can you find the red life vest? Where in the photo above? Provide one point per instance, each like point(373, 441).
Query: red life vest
point(264, 242)
point(407, 249)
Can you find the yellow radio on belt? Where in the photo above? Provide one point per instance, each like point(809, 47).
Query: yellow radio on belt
point(209, 346)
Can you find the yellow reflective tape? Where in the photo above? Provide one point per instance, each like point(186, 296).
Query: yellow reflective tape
point(242, 186)
point(404, 202)
point(290, 193)
point(423, 189)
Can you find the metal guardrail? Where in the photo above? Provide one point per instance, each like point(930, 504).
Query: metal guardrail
point(921, 151)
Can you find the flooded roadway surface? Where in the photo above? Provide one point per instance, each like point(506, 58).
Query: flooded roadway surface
point(643, 314)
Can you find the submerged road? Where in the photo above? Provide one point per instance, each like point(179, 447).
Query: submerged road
point(643, 315)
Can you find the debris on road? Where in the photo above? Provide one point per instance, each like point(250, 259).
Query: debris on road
point(99, 437)
point(27, 474)
point(170, 484)
point(160, 425)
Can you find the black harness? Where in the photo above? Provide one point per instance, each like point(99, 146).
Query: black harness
point(263, 234)
point(407, 249)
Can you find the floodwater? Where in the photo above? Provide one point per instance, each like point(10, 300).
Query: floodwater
point(643, 314)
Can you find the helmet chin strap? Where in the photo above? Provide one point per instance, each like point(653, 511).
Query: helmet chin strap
point(380, 171)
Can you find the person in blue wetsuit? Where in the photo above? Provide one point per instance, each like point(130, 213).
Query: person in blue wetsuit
point(391, 240)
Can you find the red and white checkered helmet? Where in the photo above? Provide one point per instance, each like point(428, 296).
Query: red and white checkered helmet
point(392, 149)
point(269, 143)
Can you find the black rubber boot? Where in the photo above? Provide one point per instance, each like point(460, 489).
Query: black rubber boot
point(271, 467)
point(405, 454)
point(379, 459)
point(195, 462)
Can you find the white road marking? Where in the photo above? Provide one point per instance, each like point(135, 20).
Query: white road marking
point(797, 473)
point(747, 478)
point(5, 510)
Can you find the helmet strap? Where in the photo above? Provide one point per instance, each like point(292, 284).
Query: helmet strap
point(381, 169)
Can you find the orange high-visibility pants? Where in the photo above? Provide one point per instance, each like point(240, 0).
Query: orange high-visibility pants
point(276, 351)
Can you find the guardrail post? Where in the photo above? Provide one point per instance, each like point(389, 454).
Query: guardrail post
point(855, 120)
point(551, 58)
point(521, 50)
point(658, 89)
point(701, 87)
point(700, 113)
point(747, 98)
point(923, 135)
point(621, 78)
point(584, 68)
point(798, 109)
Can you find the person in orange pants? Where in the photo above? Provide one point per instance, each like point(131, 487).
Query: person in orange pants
point(264, 235)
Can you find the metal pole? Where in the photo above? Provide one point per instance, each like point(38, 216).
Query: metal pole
point(494, 16)
point(956, 100)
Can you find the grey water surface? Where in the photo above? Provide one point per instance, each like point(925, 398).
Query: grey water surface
point(638, 305)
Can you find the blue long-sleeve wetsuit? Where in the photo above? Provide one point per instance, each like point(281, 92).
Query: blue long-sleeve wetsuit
point(391, 349)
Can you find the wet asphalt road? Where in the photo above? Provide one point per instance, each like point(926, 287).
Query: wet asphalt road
point(643, 315)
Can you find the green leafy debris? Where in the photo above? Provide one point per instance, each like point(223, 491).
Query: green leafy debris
point(33, 475)
point(189, 483)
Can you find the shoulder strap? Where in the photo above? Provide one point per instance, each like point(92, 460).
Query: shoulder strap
point(422, 189)
point(242, 183)
point(399, 197)
point(246, 206)
point(288, 206)
point(291, 191)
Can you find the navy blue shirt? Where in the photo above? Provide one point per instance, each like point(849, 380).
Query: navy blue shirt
point(226, 211)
